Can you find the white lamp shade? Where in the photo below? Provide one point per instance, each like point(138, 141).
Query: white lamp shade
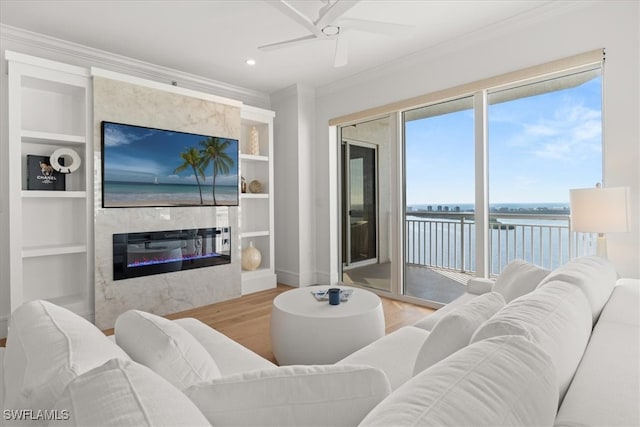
point(599, 210)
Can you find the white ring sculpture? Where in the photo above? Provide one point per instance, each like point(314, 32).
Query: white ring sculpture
point(54, 160)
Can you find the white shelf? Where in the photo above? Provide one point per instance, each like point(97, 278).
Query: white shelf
point(35, 137)
point(251, 157)
point(49, 250)
point(257, 209)
point(254, 195)
point(50, 232)
point(53, 194)
point(250, 234)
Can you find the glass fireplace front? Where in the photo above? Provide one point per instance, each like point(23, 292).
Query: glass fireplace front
point(156, 252)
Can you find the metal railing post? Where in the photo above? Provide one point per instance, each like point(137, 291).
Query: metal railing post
point(462, 244)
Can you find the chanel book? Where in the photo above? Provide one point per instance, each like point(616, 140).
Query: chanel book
point(41, 176)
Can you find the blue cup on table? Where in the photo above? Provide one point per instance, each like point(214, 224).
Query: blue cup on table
point(334, 296)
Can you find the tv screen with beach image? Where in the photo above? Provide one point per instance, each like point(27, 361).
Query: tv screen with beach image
point(149, 167)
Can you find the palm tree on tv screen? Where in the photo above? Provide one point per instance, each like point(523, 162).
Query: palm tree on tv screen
point(192, 157)
point(214, 152)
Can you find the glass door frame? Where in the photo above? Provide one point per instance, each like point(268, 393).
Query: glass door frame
point(346, 234)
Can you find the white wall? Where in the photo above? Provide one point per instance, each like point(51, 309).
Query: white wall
point(285, 171)
point(559, 30)
point(294, 196)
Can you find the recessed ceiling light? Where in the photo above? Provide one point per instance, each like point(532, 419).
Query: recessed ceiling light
point(251, 62)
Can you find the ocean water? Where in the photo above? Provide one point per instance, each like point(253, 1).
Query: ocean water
point(469, 207)
point(446, 242)
point(139, 194)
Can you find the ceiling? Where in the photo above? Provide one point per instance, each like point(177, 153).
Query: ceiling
point(214, 38)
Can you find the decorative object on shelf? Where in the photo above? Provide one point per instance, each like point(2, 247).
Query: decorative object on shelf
point(42, 176)
point(251, 257)
point(243, 184)
point(254, 142)
point(57, 162)
point(255, 186)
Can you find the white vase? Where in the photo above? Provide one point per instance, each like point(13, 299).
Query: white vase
point(254, 142)
point(251, 257)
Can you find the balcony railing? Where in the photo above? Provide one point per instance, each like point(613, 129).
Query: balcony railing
point(447, 240)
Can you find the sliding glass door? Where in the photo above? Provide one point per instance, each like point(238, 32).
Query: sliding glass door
point(439, 199)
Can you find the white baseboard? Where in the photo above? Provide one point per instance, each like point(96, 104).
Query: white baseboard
point(295, 279)
point(288, 278)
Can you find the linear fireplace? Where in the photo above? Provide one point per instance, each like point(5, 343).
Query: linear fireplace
point(156, 252)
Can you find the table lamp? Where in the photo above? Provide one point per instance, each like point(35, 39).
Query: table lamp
point(600, 210)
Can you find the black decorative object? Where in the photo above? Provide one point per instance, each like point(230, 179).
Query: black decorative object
point(41, 176)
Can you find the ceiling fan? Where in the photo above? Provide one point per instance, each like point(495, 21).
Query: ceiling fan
point(330, 25)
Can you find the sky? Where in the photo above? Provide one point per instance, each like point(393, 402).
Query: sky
point(539, 147)
point(139, 154)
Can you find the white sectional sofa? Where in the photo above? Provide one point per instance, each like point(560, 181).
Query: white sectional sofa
point(524, 351)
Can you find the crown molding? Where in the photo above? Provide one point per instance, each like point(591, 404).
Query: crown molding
point(86, 56)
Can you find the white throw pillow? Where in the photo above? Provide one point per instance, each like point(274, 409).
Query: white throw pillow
point(125, 393)
point(165, 347)
point(455, 329)
point(518, 278)
point(230, 357)
point(556, 317)
point(47, 347)
point(326, 395)
point(504, 381)
point(595, 276)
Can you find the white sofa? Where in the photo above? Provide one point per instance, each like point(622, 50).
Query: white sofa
point(532, 361)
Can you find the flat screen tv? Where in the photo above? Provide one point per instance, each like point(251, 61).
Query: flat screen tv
point(149, 167)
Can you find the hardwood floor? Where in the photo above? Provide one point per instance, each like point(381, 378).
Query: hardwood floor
point(247, 319)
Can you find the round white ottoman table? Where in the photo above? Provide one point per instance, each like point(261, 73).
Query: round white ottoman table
point(305, 331)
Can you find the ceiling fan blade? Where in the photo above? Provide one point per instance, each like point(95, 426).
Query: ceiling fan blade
point(296, 15)
point(376, 27)
point(288, 43)
point(334, 11)
point(342, 51)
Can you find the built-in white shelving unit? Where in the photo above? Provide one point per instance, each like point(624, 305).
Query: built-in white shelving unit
point(256, 209)
point(50, 237)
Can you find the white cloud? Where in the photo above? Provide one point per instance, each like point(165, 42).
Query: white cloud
point(573, 132)
point(115, 137)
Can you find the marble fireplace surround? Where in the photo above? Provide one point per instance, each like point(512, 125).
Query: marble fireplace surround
point(124, 102)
